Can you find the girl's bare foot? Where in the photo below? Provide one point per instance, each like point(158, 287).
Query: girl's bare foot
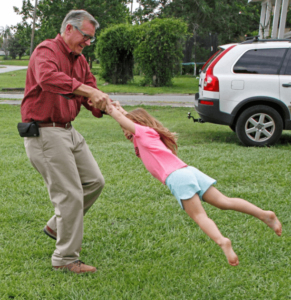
point(272, 221)
point(229, 253)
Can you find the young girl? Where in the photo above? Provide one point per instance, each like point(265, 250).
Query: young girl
point(156, 146)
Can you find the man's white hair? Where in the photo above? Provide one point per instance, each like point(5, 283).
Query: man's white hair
point(76, 18)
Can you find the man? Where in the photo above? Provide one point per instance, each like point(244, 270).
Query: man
point(58, 82)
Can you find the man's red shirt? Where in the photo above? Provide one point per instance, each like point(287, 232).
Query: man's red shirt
point(53, 70)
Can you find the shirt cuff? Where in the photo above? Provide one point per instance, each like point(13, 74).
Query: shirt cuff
point(76, 84)
point(97, 113)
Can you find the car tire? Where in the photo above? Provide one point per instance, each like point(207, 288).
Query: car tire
point(259, 126)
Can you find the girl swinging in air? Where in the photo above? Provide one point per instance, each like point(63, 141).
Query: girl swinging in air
point(156, 146)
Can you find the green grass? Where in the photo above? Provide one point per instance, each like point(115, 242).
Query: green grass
point(181, 85)
point(15, 79)
point(185, 84)
point(14, 62)
point(143, 244)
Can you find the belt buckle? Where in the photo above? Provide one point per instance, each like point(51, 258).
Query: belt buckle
point(67, 125)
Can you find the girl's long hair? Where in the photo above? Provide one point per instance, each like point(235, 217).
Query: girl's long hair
point(142, 117)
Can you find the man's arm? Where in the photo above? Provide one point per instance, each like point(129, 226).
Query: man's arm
point(123, 121)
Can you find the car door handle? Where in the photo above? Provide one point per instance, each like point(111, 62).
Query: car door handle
point(286, 84)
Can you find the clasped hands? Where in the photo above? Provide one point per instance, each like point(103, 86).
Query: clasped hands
point(102, 101)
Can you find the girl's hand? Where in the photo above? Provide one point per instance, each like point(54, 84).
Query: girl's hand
point(109, 107)
point(119, 107)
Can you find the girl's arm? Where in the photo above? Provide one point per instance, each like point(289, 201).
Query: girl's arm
point(123, 121)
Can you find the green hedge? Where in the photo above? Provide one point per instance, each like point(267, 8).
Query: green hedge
point(115, 52)
point(159, 49)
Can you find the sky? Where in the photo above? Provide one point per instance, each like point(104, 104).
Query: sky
point(7, 14)
point(9, 17)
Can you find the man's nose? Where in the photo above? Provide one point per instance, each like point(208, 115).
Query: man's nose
point(88, 43)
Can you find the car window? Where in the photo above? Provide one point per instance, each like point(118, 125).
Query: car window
point(210, 60)
point(288, 67)
point(260, 61)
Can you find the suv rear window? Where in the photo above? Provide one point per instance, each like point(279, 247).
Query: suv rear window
point(211, 59)
point(260, 61)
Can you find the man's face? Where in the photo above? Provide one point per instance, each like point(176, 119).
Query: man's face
point(76, 40)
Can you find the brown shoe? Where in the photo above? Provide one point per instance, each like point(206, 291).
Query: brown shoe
point(76, 267)
point(51, 233)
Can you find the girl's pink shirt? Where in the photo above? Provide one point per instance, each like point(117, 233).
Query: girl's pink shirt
point(157, 158)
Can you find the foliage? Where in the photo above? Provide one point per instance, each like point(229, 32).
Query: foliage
point(229, 18)
point(115, 52)
point(23, 37)
point(16, 47)
point(6, 35)
point(50, 15)
point(143, 245)
point(235, 19)
point(159, 49)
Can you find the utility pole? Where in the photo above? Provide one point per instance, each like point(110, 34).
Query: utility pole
point(33, 28)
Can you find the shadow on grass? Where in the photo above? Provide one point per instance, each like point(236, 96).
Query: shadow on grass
point(285, 139)
point(206, 137)
point(220, 134)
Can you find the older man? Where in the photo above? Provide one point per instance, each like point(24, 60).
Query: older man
point(58, 82)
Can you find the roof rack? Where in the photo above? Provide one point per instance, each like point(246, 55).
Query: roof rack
point(255, 39)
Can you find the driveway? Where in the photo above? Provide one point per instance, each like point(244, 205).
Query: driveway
point(174, 100)
point(4, 68)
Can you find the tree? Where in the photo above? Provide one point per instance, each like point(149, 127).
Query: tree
point(50, 15)
point(5, 35)
point(159, 49)
point(16, 47)
point(23, 37)
point(229, 18)
point(1, 42)
point(235, 19)
point(115, 51)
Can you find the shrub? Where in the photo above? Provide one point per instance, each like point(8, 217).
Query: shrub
point(159, 49)
point(115, 53)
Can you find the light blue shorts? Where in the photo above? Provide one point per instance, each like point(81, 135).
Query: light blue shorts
point(186, 182)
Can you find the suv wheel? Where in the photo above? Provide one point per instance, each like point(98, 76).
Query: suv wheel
point(259, 125)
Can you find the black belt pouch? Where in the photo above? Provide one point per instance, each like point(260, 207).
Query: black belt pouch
point(28, 129)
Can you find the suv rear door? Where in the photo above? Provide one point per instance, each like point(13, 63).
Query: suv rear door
point(254, 74)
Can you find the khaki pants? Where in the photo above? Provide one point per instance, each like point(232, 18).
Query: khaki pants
point(74, 182)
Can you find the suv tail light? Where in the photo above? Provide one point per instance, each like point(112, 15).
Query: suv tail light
point(211, 82)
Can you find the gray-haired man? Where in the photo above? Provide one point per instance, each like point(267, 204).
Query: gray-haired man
point(60, 154)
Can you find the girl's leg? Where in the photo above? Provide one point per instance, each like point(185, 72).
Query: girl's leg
point(195, 210)
point(217, 199)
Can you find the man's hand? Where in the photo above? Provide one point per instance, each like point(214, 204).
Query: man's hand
point(98, 99)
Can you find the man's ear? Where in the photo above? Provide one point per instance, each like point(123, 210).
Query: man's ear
point(69, 28)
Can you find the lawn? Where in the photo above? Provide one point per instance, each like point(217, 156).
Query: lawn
point(14, 62)
point(186, 84)
point(143, 244)
point(15, 79)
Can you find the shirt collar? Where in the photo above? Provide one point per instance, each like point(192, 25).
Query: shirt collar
point(64, 47)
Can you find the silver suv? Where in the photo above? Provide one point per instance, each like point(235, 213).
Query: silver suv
point(247, 86)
